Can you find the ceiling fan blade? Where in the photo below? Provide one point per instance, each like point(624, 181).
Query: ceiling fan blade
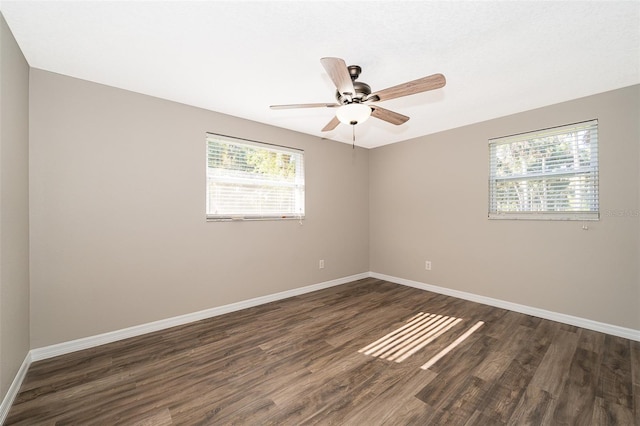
point(331, 125)
point(420, 85)
point(337, 70)
point(388, 116)
point(318, 105)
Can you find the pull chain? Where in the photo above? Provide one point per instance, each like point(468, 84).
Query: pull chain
point(353, 127)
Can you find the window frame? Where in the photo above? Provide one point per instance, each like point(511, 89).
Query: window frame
point(589, 173)
point(298, 186)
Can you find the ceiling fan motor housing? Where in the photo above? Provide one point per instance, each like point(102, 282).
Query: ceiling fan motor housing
point(362, 89)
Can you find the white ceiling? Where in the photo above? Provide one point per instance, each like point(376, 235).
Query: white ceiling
point(499, 57)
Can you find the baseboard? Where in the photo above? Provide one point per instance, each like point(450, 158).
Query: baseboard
point(113, 336)
point(627, 333)
point(101, 339)
point(11, 394)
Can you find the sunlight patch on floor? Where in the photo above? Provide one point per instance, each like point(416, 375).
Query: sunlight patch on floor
point(419, 331)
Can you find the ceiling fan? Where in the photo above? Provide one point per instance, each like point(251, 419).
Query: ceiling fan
point(355, 100)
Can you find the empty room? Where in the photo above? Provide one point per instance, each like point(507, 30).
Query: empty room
point(319, 212)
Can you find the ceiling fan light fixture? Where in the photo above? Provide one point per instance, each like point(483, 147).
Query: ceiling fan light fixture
point(353, 113)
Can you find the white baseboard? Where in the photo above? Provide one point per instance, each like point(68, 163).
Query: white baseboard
point(11, 394)
point(100, 339)
point(627, 333)
point(113, 336)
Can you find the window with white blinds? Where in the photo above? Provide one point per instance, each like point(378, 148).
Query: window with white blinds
point(546, 174)
point(253, 180)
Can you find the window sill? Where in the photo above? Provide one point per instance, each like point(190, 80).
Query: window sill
point(253, 218)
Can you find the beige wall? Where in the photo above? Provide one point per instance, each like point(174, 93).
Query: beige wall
point(14, 208)
point(118, 230)
point(428, 201)
point(118, 236)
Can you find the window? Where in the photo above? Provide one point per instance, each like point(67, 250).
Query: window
point(253, 180)
point(547, 174)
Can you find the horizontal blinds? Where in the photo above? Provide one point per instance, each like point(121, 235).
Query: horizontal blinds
point(249, 180)
point(547, 174)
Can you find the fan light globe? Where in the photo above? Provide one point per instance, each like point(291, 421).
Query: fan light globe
point(353, 113)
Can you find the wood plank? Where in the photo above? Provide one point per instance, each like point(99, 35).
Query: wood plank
point(458, 411)
point(635, 361)
point(398, 386)
point(576, 401)
point(635, 377)
point(500, 400)
point(534, 408)
point(503, 398)
point(614, 385)
point(609, 413)
point(551, 373)
point(160, 418)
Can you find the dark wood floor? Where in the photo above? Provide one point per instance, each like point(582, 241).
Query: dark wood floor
point(297, 361)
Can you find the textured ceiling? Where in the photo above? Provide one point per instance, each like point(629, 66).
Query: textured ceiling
point(238, 58)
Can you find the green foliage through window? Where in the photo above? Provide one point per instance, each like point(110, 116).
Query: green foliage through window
point(251, 180)
point(548, 174)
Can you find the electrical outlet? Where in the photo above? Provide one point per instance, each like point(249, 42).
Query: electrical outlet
point(427, 265)
point(321, 264)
